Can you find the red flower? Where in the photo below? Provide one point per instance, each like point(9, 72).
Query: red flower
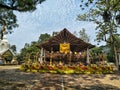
point(60, 66)
point(71, 67)
point(84, 68)
point(95, 68)
point(50, 67)
point(103, 68)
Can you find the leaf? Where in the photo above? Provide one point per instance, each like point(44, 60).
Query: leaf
point(80, 5)
point(86, 4)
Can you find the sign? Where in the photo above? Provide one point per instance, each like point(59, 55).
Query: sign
point(65, 47)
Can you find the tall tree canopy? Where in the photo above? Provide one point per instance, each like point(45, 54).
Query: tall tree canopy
point(20, 5)
point(32, 49)
point(13, 47)
point(44, 37)
point(7, 16)
point(106, 15)
point(84, 36)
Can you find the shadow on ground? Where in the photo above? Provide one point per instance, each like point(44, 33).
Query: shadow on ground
point(16, 80)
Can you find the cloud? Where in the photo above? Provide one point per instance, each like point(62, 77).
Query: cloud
point(51, 15)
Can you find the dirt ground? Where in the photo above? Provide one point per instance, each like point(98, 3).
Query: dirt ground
point(11, 78)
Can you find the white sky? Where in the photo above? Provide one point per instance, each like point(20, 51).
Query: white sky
point(51, 15)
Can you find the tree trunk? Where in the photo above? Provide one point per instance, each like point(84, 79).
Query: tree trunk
point(116, 58)
point(113, 44)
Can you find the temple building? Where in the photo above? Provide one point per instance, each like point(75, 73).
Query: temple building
point(64, 46)
point(6, 54)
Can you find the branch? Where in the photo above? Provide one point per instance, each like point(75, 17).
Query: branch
point(26, 7)
point(108, 41)
point(117, 3)
point(3, 21)
point(13, 8)
point(7, 7)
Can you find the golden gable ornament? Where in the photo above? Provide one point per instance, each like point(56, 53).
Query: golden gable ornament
point(64, 47)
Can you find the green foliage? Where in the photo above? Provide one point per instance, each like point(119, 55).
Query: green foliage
point(66, 69)
point(8, 19)
point(97, 50)
point(104, 14)
point(116, 39)
point(55, 33)
point(83, 35)
point(111, 55)
point(44, 37)
point(7, 16)
point(20, 5)
point(13, 47)
point(31, 51)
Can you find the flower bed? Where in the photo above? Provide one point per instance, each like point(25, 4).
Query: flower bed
point(67, 69)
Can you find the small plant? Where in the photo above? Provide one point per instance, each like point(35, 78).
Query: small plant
point(67, 69)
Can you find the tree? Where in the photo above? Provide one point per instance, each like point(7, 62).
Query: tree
point(83, 35)
point(7, 16)
point(44, 37)
point(7, 21)
point(13, 47)
point(75, 33)
point(55, 33)
point(20, 5)
point(27, 51)
point(31, 50)
point(106, 15)
point(117, 43)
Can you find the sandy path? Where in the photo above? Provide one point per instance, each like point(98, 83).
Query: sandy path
point(9, 67)
point(13, 79)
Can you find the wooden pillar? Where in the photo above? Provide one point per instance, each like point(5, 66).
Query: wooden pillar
point(41, 56)
point(51, 56)
point(88, 58)
point(44, 55)
point(119, 60)
point(70, 57)
point(37, 56)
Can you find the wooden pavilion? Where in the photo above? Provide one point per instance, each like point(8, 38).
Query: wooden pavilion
point(64, 42)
